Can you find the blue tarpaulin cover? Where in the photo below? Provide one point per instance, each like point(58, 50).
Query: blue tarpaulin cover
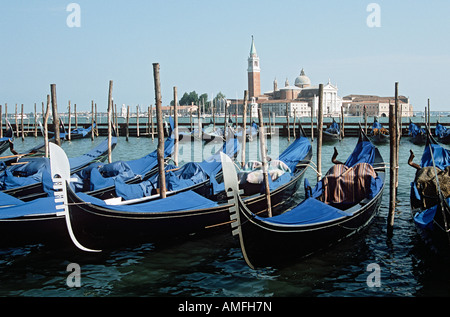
point(376, 125)
point(425, 218)
point(24, 174)
point(441, 131)
point(38, 206)
point(441, 156)
point(364, 152)
point(310, 211)
point(334, 128)
point(295, 152)
point(414, 129)
point(96, 175)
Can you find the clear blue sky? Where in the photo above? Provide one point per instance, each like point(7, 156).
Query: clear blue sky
point(203, 45)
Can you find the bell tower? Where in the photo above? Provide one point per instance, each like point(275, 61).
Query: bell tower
point(253, 70)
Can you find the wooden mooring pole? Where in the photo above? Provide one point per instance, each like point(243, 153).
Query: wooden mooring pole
point(319, 133)
point(70, 123)
point(55, 114)
point(175, 122)
point(393, 161)
point(127, 125)
point(110, 109)
point(160, 129)
point(244, 127)
point(263, 149)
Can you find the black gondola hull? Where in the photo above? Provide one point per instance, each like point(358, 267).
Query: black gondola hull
point(50, 230)
point(269, 245)
point(96, 227)
point(379, 138)
point(330, 137)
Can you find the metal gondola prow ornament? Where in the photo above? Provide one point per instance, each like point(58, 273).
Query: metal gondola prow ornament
point(233, 192)
point(60, 174)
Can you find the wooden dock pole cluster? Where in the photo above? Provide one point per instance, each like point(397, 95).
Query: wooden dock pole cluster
point(393, 169)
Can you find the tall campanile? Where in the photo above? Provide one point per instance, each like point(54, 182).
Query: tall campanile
point(254, 82)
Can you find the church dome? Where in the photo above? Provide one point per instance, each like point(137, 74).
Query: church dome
point(302, 80)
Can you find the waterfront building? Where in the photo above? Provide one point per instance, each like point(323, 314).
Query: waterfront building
point(375, 106)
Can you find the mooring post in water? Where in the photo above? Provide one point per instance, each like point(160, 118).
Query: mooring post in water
point(213, 115)
point(244, 127)
point(35, 121)
point(175, 122)
point(92, 120)
point(17, 123)
point(199, 122)
point(47, 113)
point(76, 116)
point(152, 124)
point(127, 124)
point(312, 122)
point(263, 150)
point(69, 134)
point(429, 115)
point(110, 106)
point(137, 120)
point(190, 116)
point(393, 161)
point(21, 124)
point(55, 114)
point(319, 133)
point(287, 123)
point(160, 128)
point(365, 119)
point(95, 120)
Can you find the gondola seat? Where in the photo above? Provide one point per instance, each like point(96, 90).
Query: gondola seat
point(345, 186)
point(251, 177)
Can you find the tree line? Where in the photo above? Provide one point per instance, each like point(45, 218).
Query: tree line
point(193, 97)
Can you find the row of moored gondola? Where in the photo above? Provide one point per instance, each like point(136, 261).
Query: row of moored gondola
point(103, 206)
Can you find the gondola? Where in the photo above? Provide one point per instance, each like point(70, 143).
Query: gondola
point(442, 133)
point(378, 134)
point(332, 133)
point(31, 222)
point(99, 225)
point(7, 138)
point(80, 133)
point(430, 199)
point(251, 132)
point(417, 134)
point(312, 225)
point(30, 180)
point(209, 134)
point(200, 177)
